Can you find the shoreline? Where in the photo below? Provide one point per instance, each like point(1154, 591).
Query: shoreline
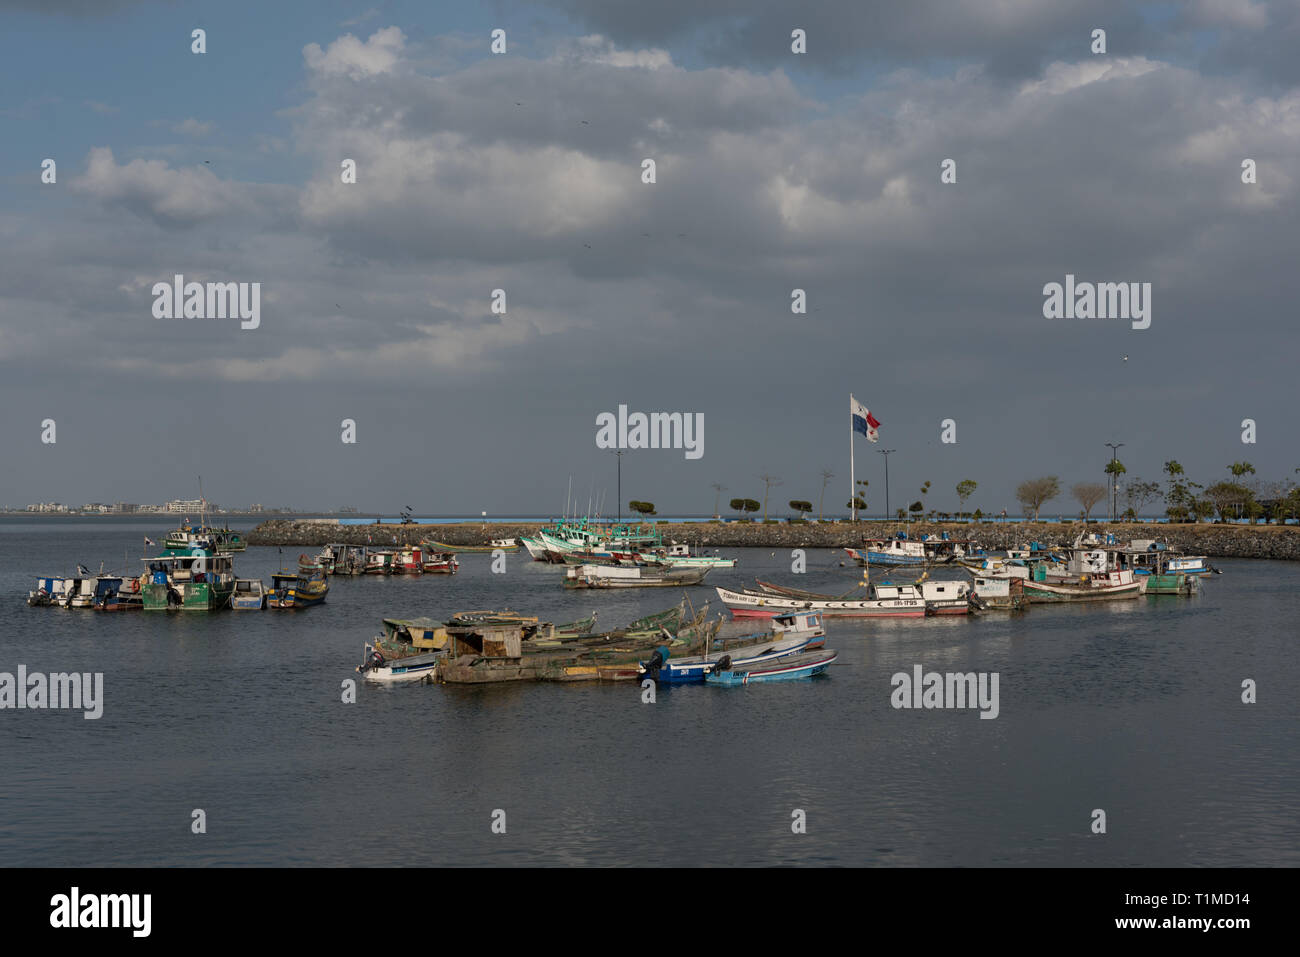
point(1277, 542)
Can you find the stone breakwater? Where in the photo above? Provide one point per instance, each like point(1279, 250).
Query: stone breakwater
point(1217, 541)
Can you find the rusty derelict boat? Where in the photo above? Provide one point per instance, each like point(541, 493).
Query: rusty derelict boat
point(486, 646)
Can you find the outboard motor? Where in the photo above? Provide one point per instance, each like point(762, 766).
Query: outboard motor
point(723, 663)
point(656, 663)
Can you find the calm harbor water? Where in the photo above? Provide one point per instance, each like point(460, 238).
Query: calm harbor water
point(1131, 707)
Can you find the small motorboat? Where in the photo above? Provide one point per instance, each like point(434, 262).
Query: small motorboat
point(789, 668)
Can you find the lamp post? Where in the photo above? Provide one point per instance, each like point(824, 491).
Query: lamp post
point(1114, 478)
point(619, 453)
point(885, 453)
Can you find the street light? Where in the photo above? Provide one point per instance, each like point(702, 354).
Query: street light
point(1114, 478)
point(619, 453)
point(885, 453)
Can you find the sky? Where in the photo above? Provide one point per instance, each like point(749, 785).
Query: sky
point(523, 171)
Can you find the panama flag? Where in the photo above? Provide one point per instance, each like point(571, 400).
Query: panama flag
point(863, 421)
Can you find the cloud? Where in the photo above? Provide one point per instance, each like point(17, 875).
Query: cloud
point(355, 59)
point(192, 128)
point(152, 189)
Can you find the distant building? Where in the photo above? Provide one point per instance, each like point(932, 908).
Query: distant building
point(185, 505)
point(257, 508)
point(125, 507)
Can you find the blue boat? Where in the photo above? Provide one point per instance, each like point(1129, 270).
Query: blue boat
point(694, 669)
point(788, 668)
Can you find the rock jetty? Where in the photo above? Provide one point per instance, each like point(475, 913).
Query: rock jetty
point(1216, 541)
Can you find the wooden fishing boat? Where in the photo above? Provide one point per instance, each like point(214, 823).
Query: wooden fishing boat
point(440, 563)
point(998, 593)
point(788, 668)
point(196, 579)
point(301, 590)
point(576, 629)
point(341, 559)
point(749, 650)
point(379, 563)
point(116, 593)
point(249, 595)
point(903, 550)
point(1100, 586)
point(638, 576)
point(413, 669)
point(50, 591)
point(435, 546)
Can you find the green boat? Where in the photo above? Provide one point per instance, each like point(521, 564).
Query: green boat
point(204, 536)
point(193, 579)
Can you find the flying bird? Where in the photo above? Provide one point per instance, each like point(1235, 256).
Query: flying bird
point(585, 123)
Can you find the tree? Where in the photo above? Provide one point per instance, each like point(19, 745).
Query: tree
point(859, 502)
point(738, 504)
point(1137, 493)
point(827, 475)
point(1034, 493)
point(1229, 497)
point(1181, 496)
point(1114, 468)
point(1238, 469)
point(800, 506)
point(965, 489)
point(916, 507)
point(768, 482)
point(1088, 494)
point(901, 513)
point(719, 488)
point(642, 508)
point(925, 490)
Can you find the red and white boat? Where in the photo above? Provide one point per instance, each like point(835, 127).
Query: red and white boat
point(440, 563)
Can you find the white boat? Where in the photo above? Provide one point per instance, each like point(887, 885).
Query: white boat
point(751, 604)
point(410, 670)
point(1102, 586)
point(50, 591)
point(249, 595)
point(998, 592)
point(634, 576)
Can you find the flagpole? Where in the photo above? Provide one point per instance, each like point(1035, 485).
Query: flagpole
point(853, 485)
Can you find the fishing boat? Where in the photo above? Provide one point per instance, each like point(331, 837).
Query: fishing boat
point(903, 550)
point(440, 563)
point(497, 544)
point(301, 590)
point(50, 591)
point(1000, 593)
point(115, 593)
point(249, 595)
point(868, 600)
point(789, 668)
point(414, 669)
point(787, 635)
point(758, 604)
point(577, 629)
point(637, 576)
point(1097, 586)
point(196, 579)
point(379, 563)
point(404, 637)
point(341, 559)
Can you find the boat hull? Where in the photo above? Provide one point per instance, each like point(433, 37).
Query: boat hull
point(792, 668)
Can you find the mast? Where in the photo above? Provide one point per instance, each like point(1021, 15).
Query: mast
point(853, 485)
